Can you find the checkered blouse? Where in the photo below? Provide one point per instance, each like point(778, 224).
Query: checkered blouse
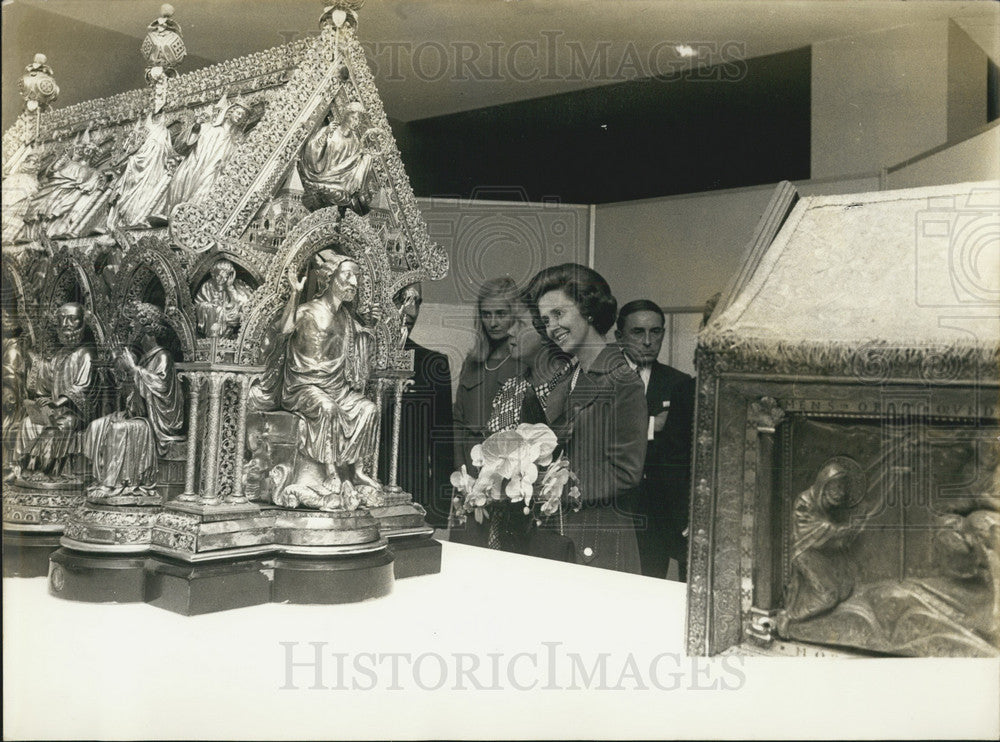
point(506, 410)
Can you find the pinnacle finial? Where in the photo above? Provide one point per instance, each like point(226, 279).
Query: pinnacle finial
point(163, 47)
point(337, 13)
point(38, 86)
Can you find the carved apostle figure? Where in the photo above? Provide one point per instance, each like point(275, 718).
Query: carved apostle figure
point(141, 190)
point(123, 447)
point(67, 203)
point(65, 389)
point(214, 143)
point(220, 300)
point(334, 165)
point(19, 188)
point(14, 379)
point(325, 369)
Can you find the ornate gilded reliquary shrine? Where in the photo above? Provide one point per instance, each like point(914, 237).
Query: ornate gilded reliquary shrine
point(846, 487)
point(203, 346)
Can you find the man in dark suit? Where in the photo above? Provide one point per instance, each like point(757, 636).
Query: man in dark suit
point(667, 476)
point(426, 443)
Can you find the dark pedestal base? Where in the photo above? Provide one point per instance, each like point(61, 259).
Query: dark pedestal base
point(97, 578)
point(193, 589)
point(415, 555)
point(26, 554)
point(325, 580)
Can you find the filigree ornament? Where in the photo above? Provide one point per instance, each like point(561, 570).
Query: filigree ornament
point(37, 85)
point(340, 12)
point(163, 47)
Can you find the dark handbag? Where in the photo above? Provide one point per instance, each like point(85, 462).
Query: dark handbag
point(546, 542)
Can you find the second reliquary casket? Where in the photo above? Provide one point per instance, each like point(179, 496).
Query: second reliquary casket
point(846, 491)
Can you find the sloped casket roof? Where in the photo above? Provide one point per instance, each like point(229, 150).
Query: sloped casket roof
point(292, 91)
point(878, 283)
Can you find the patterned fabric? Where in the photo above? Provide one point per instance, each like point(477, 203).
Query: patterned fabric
point(506, 409)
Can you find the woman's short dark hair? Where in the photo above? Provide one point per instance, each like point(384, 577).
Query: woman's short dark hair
point(585, 286)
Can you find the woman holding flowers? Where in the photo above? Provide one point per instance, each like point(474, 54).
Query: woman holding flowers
point(523, 398)
point(598, 412)
point(518, 482)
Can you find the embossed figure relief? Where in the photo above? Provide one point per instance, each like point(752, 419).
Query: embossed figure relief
point(337, 160)
point(63, 391)
point(19, 188)
point(220, 301)
point(14, 376)
point(824, 524)
point(141, 189)
point(896, 552)
point(72, 199)
point(209, 146)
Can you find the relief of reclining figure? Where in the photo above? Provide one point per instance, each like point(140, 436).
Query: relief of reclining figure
point(951, 609)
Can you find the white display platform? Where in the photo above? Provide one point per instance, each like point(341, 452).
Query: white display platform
point(83, 671)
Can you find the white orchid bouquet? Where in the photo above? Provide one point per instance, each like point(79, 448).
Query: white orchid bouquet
point(516, 466)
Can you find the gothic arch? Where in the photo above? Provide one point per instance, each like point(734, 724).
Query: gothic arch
point(324, 229)
point(15, 302)
point(151, 258)
point(72, 278)
point(200, 268)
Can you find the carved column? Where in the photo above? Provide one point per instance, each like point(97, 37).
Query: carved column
point(190, 475)
point(217, 426)
point(764, 416)
point(237, 497)
point(397, 422)
point(379, 401)
point(216, 383)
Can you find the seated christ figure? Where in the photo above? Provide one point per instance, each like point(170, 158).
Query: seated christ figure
point(325, 369)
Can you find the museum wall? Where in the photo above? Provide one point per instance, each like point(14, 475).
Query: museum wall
point(882, 98)
point(977, 158)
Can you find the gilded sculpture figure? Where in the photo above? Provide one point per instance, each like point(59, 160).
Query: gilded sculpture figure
point(64, 397)
point(141, 189)
point(70, 201)
point(19, 188)
point(324, 368)
point(123, 447)
point(335, 165)
point(220, 301)
point(212, 145)
point(14, 379)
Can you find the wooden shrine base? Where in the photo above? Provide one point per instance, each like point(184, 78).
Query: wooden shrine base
point(26, 553)
point(240, 581)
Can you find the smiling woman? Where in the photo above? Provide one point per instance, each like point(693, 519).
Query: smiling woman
point(598, 412)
